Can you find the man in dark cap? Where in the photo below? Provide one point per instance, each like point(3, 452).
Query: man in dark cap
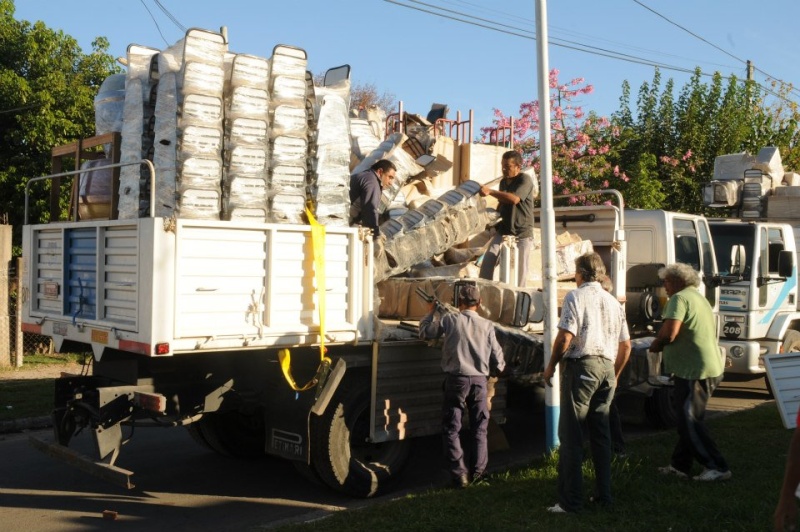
point(470, 353)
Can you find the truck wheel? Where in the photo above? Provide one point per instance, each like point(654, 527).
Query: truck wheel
point(341, 455)
point(238, 434)
point(659, 410)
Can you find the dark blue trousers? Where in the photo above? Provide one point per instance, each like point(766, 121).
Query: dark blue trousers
point(689, 398)
point(465, 393)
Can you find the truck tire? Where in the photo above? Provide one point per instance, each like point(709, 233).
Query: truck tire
point(237, 434)
point(659, 410)
point(341, 455)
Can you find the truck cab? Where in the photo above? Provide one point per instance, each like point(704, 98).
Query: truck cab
point(758, 291)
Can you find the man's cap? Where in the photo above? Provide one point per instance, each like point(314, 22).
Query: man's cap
point(469, 294)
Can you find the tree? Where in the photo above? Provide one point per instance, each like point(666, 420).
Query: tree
point(670, 146)
point(47, 89)
point(580, 142)
point(363, 95)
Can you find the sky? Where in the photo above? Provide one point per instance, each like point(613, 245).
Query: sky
point(422, 58)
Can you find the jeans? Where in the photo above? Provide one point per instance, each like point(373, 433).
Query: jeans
point(587, 389)
point(689, 398)
point(465, 392)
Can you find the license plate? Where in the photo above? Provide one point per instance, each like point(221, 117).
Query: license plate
point(99, 337)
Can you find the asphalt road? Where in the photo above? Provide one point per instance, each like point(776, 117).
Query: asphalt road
point(182, 486)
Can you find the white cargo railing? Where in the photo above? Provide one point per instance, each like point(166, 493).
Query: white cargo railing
point(74, 172)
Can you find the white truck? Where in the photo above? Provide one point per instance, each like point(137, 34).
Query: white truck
point(757, 254)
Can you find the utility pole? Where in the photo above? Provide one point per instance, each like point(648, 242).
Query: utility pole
point(750, 69)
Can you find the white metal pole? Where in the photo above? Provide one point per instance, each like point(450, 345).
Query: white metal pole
point(548, 221)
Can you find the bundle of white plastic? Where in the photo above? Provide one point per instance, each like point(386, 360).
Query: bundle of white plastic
point(137, 134)
point(288, 134)
point(245, 180)
point(330, 187)
point(188, 154)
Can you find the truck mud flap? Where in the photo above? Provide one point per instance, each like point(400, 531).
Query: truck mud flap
point(115, 475)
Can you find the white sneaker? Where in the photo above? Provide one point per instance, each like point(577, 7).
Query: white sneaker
point(556, 509)
point(669, 470)
point(710, 475)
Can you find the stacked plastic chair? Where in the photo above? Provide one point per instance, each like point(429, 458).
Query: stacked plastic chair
point(189, 115)
point(245, 177)
point(288, 135)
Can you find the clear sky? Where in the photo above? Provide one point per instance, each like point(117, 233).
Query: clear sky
point(422, 58)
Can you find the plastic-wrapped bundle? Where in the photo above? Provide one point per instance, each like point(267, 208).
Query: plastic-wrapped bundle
point(291, 151)
point(198, 59)
point(289, 120)
point(248, 71)
point(134, 192)
point(246, 161)
point(246, 199)
point(432, 229)
point(164, 156)
point(288, 61)
point(108, 105)
point(363, 138)
point(331, 179)
point(287, 208)
point(248, 101)
point(201, 109)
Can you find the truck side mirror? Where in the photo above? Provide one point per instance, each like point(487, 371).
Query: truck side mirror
point(522, 309)
point(785, 263)
point(738, 259)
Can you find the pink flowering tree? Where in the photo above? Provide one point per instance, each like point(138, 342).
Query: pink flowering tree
point(581, 142)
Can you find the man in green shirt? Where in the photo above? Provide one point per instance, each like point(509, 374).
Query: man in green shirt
point(691, 354)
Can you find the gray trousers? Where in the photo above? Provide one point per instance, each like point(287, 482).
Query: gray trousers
point(524, 245)
point(587, 389)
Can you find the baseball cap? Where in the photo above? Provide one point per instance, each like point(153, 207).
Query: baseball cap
point(469, 294)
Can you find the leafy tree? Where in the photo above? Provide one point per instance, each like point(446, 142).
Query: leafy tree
point(668, 146)
point(580, 142)
point(47, 89)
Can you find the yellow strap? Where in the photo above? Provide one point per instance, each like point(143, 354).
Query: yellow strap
point(284, 356)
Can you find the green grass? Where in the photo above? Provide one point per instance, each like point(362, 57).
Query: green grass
point(753, 441)
point(23, 398)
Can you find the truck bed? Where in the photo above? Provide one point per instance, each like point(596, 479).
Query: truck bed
point(165, 286)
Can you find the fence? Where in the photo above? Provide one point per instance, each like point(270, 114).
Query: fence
point(16, 344)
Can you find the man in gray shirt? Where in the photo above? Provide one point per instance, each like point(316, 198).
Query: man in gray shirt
point(470, 353)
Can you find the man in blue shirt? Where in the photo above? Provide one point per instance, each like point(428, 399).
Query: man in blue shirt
point(365, 194)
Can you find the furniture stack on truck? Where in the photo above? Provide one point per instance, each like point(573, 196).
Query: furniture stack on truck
point(757, 252)
point(228, 295)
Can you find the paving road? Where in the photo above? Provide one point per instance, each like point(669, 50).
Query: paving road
point(181, 486)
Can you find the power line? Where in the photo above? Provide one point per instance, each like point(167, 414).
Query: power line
point(572, 45)
point(170, 16)
point(708, 42)
point(155, 22)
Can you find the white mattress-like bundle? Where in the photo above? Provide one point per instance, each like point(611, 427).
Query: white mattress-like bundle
point(191, 131)
point(137, 134)
point(329, 183)
point(245, 182)
point(288, 134)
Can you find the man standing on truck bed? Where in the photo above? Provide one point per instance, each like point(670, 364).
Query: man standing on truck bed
point(689, 341)
point(470, 353)
point(365, 193)
point(515, 198)
point(594, 343)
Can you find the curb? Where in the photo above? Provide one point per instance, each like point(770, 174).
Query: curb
point(27, 423)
